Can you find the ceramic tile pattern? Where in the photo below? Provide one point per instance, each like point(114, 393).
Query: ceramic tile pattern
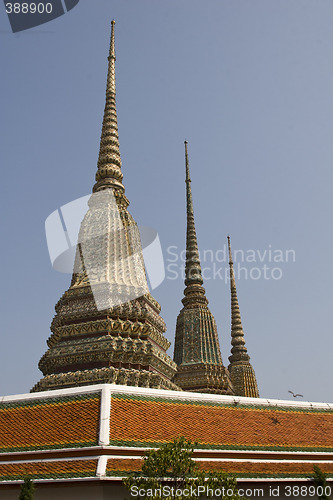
point(123, 467)
point(50, 423)
point(46, 470)
point(149, 421)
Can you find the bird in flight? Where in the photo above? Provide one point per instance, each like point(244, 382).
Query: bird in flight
point(296, 395)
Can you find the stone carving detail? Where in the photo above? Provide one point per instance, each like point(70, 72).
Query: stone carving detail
point(111, 375)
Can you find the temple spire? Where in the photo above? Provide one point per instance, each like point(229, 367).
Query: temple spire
point(192, 267)
point(109, 173)
point(241, 371)
point(237, 333)
point(197, 350)
point(107, 327)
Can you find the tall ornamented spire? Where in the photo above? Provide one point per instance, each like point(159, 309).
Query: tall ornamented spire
point(109, 173)
point(241, 371)
point(192, 266)
point(238, 342)
point(197, 350)
point(107, 327)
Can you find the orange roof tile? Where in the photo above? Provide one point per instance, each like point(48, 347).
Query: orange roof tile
point(56, 469)
point(148, 421)
point(149, 418)
point(123, 467)
point(50, 423)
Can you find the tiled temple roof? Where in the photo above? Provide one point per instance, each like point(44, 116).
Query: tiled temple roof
point(244, 469)
point(49, 470)
point(150, 421)
point(50, 423)
point(103, 431)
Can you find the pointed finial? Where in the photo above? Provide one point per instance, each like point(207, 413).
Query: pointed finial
point(231, 267)
point(230, 255)
point(187, 179)
point(112, 52)
point(109, 173)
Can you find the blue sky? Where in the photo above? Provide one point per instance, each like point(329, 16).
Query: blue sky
point(249, 84)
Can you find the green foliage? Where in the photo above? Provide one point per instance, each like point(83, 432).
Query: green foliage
point(170, 472)
point(319, 479)
point(27, 490)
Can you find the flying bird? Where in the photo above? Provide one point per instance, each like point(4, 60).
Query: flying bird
point(296, 395)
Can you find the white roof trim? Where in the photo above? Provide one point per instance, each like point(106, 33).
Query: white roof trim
point(101, 466)
point(263, 461)
point(180, 395)
point(219, 451)
point(87, 389)
point(119, 478)
point(104, 429)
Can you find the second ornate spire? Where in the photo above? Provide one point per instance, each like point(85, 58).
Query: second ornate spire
point(197, 350)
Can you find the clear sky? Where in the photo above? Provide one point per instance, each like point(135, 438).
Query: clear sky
point(249, 84)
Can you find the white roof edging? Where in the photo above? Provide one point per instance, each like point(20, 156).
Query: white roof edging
point(167, 394)
point(104, 430)
point(101, 466)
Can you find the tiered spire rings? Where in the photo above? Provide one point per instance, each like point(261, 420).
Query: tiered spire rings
point(241, 371)
point(197, 350)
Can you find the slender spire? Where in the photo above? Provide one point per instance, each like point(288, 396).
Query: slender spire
point(192, 267)
point(241, 371)
point(238, 341)
point(197, 349)
point(109, 173)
